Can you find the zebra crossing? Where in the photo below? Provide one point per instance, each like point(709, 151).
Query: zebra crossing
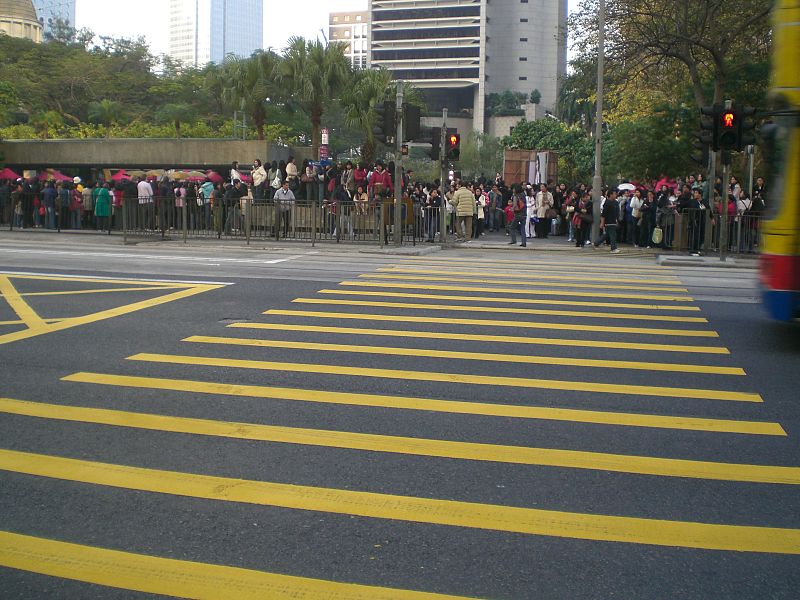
point(549, 353)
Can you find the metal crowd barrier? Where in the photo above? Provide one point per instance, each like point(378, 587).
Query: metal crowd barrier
point(698, 229)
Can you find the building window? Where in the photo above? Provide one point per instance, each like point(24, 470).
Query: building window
point(523, 39)
point(358, 18)
point(524, 1)
point(523, 58)
point(523, 78)
point(523, 20)
point(335, 19)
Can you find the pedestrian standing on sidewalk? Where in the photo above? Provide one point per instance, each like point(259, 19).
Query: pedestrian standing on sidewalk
point(519, 205)
point(609, 218)
point(463, 202)
point(544, 202)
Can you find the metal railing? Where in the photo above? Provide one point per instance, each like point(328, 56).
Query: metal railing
point(698, 230)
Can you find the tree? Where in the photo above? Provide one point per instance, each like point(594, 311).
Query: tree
point(703, 39)
point(106, 112)
point(47, 123)
point(176, 114)
point(313, 73)
point(536, 96)
point(250, 83)
point(481, 155)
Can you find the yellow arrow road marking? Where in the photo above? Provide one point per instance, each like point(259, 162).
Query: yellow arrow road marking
point(431, 405)
point(521, 382)
point(738, 538)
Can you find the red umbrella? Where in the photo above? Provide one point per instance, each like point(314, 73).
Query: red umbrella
point(214, 177)
point(196, 179)
point(8, 174)
point(120, 175)
point(246, 178)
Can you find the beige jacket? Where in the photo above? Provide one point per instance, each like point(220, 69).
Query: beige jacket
point(464, 202)
point(544, 201)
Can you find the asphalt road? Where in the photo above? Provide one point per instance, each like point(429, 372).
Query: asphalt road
point(448, 424)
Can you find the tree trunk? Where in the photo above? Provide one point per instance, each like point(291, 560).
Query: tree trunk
point(368, 152)
point(316, 124)
point(260, 128)
point(178, 129)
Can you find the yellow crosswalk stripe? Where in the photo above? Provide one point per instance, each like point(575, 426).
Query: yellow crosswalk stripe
point(526, 268)
point(492, 380)
point(513, 301)
point(485, 323)
point(424, 260)
point(178, 578)
point(537, 284)
point(504, 290)
point(532, 276)
point(501, 339)
point(511, 310)
point(530, 521)
point(568, 361)
point(432, 405)
point(549, 457)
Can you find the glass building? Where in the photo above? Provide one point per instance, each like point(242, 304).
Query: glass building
point(204, 31)
point(50, 10)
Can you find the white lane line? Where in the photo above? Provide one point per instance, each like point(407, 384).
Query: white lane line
point(206, 259)
point(100, 278)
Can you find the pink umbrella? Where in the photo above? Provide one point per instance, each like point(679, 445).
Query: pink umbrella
point(214, 177)
point(670, 183)
point(196, 179)
point(120, 175)
point(246, 178)
point(8, 174)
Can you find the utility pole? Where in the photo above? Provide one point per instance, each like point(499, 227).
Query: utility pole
point(398, 169)
point(597, 180)
point(723, 201)
point(442, 179)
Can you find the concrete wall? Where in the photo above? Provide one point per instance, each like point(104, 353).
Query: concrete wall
point(141, 153)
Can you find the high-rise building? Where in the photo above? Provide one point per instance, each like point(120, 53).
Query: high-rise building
point(204, 31)
point(351, 28)
point(50, 10)
point(18, 19)
point(458, 51)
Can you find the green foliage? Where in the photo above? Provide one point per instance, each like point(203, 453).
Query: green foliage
point(481, 155)
point(506, 104)
point(176, 114)
point(573, 145)
point(536, 97)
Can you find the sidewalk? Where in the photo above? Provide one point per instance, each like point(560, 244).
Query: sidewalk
point(492, 241)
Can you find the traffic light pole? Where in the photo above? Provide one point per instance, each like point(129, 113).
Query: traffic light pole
point(442, 180)
point(398, 169)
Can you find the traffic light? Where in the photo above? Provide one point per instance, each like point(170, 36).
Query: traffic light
point(728, 129)
point(746, 124)
point(436, 140)
point(453, 150)
point(411, 120)
point(385, 124)
point(710, 126)
point(702, 145)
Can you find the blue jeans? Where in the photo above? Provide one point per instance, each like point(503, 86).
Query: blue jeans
point(610, 234)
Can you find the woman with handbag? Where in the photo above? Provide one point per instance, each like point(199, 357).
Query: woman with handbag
point(583, 221)
point(259, 179)
point(544, 211)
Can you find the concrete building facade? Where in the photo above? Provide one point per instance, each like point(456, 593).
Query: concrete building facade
point(204, 31)
point(50, 10)
point(351, 29)
point(18, 19)
point(458, 51)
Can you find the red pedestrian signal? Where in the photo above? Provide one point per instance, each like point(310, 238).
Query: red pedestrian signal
point(453, 146)
point(728, 120)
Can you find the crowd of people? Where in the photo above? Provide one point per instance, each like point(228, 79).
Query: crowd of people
point(635, 214)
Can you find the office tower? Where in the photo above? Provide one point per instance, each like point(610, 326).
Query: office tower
point(351, 29)
point(18, 19)
point(50, 10)
point(458, 51)
point(203, 31)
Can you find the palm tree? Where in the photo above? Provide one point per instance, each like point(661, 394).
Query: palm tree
point(106, 112)
point(176, 114)
point(362, 98)
point(313, 73)
point(247, 84)
point(47, 122)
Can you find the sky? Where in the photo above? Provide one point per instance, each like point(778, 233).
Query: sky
point(281, 19)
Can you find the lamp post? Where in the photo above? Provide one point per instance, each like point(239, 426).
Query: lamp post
point(597, 180)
